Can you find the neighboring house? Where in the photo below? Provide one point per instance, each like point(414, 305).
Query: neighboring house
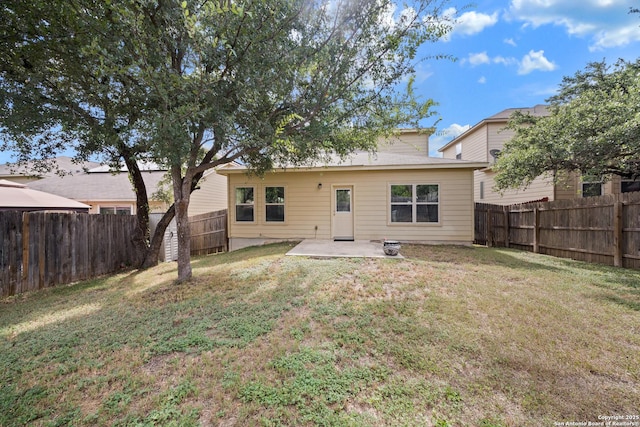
point(111, 193)
point(105, 191)
point(25, 173)
point(484, 141)
point(211, 194)
point(15, 196)
point(399, 193)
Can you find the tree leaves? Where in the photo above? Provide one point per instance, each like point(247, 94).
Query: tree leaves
point(593, 129)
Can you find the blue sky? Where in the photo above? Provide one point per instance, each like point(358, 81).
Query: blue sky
point(514, 53)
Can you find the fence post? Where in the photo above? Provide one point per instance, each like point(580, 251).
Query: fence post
point(536, 230)
point(25, 247)
point(505, 211)
point(617, 233)
point(489, 227)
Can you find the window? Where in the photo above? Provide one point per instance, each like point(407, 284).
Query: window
point(343, 200)
point(274, 204)
point(481, 190)
point(629, 186)
point(591, 189)
point(244, 204)
point(459, 151)
point(115, 210)
point(414, 203)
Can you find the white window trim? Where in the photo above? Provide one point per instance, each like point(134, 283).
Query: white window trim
point(115, 208)
point(235, 204)
point(264, 211)
point(414, 204)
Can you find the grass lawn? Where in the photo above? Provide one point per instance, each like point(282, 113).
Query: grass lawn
point(448, 336)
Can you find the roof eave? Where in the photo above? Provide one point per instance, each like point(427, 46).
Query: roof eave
point(452, 165)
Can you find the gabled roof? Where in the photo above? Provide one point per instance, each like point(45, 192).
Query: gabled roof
point(501, 117)
point(97, 186)
point(14, 196)
point(64, 163)
point(367, 161)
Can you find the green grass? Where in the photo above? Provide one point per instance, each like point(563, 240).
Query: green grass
point(448, 336)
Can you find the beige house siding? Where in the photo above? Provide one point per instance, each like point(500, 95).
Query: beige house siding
point(497, 136)
point(473, 147)
point(408, 142)
point(568, 187)
point(154, 206)
point(538, 189)
point(211, 196)
point(309, 213)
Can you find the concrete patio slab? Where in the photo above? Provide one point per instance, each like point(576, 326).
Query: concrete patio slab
point(333, 249)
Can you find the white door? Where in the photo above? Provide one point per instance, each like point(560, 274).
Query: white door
point(343, 213)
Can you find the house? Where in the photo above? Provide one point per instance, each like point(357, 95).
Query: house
point(107, 192)
point(484, 141)
point(15, 196)
point(26, 173)
point(399, 193)
point(210, 195)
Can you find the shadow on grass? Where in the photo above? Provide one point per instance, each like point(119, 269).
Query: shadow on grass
point(622, 285)
point(241, 255)
point(479, 255)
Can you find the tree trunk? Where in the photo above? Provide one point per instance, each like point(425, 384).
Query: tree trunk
point(140, 238)
point(181, 195)
point(151, 255)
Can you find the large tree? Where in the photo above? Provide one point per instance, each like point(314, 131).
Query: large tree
point(67, 80)
point(198, 84)
point(593, 129)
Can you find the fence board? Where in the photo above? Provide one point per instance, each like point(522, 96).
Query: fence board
point(208, 233)
point(602, 229)
point(42, 249)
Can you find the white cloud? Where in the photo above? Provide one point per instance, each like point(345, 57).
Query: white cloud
point(478, 58)
point(616, 37)
point(532, 61)
point(511, 42)
point(504, 61)
point(606, 22)
point(443, 136)
point(470, 23)
point(482, 80)
point(535, 61)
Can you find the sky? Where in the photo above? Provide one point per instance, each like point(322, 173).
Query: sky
point(514, 53)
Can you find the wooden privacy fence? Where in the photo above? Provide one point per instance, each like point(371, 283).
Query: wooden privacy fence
point(39, 249)
point(208, 233)
point(602, 229)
